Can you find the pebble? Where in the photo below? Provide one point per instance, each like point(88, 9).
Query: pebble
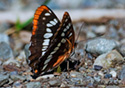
point(108, 59)
point(4, 79)
point(13, 73)
point(4, 38)
point(97, 67)
point(97, 78)
point(12, 61)
point(25, 36)
point(33, 85)
point(100, 29)
point(113, 73)
point(76, 78)
point(122, 49)
point(90, 35)
point(4, 25)
point(112, 86)
point(17, 85)
point(101, 74)
point(17, 77)
point(100, 45)
point(22, 58)
point(107, 76)
point(5, 51)
point(121, 75)
point(113, 33)
point(55, 82)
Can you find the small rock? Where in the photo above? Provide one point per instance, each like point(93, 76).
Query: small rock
point(13, 73)
point(100, 30)
point(11, 68)
point(17, 77)
point(109, 59)
point(112, 87)
point(22, 58)
point(12, 61)
point(75, 74)
point(100, 45)
point(5, 51)
point(122, 49)
point(90, 85)
point(56, 82)
point(113, 73)
point(116, 82)
point(122, 74)
point(4, 38)
point(33, 85)
point(113, 33)
point(17, 85)
point(97, 67)
point(107, 76)
point(97, 78)
point(62, 85)
point(4, 79)
point(101, 74)
point(76, 78)
point(25, 36)
point(90, 35)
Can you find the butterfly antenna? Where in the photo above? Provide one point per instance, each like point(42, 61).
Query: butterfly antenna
point(77, 40)
point(79, 32)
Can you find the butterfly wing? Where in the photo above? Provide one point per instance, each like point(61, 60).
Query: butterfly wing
point(45, 25)
point(60, 49)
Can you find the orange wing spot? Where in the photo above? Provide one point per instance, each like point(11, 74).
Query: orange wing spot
point(36, 71)
point(34, 30)
point(38, 12)
point(36, 16)
point(35, 22)
point(44, 7)
point(40, 9)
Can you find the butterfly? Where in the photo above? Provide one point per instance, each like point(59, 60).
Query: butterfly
point(52, 41)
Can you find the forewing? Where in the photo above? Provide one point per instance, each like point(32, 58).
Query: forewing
point(45, 25)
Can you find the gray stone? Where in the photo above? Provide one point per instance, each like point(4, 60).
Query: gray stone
point(97, 78)
point(100, 29)
point(17, 77)
point(90, 35)
point(122, 73)
point(113, 73)
point(108, 59)
point(4, 38)
point(4, 79)
point(17, 85)
point(76, 78)
point(12, 61)
point(122, 49)
point(100, 45)
point(113, 33)
point(55, 82)
point(33, 85)
point(112, 87)
point(5, 51)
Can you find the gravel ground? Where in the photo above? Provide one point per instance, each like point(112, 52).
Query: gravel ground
point(98, 62)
